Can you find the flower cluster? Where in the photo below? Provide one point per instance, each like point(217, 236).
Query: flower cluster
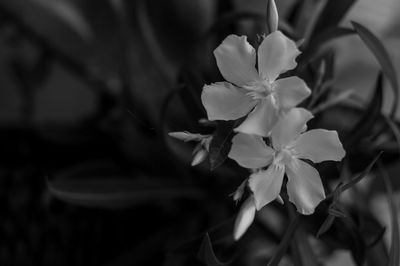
point(273, 139)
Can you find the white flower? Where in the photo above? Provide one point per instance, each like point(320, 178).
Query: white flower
point(258, 94)
point(289, 146)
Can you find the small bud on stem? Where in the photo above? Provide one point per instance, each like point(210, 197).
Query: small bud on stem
point(272, 17)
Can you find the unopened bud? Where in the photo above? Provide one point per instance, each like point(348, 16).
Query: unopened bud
point(280, 200)
point(186, 136)
point(244, 218)
point(238, 194)
point(199, 157)
point(272, 16)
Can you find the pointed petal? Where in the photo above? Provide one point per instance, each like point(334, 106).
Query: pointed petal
point(244, 218)
point(238, 194)
point(289, 127)
point(291, 91)
point(266, 185)
point(223, 101)
point(250, 151)
point(261, 120)
point(319, 145)
point(199, 157)
point(187, 136)
point(236, 60)
point(276, 55)
point(304, 186)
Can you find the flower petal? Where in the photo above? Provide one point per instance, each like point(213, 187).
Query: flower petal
point(250, 151)
point(276, 55)
point(291, 91)
point(187, 136)
point(223, 101)
point(304, 186)
point(267, 184)
point(244, 218)
point(289, 127)
point(236, 60)
point(319, 145)
point(261, 120)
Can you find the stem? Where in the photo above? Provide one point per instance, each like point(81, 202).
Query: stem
point(283, 245)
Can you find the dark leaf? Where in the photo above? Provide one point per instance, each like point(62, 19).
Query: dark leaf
point(326, 225)
point(383, 57)
point(149, 248)
point(371, 114)
point(360, 176)
point(354, 180)
point(118, 192)
point(206, 253)
point(332, 14)
point(191, 92)
point(42, 12)
point(356, 241)
point(395, 130)
point(344, 233)
point(378, 237)
point(332, 211)
point(335, 211)
point(235, 16)
point(335, 100)
point(394, 254)
point(219, 232)
point(283, 245)
point(305, 251)
point(221, 143)
point(316, 46)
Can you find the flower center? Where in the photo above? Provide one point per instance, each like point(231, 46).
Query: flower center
point(261, 90)
point(284, 156)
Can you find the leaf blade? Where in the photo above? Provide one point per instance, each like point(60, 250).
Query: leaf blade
point(394, 254)
point(206, 253)
point(117, 192)
point(382, 56)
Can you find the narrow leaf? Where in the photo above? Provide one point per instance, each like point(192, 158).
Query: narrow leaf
point(383, 57)
point(334, 211)
point(370, 116)
point(69, 14)
point(235, 16)
point(305, 251)
point(356, 179)
point(316, 46)
point(332, 14)
point(206, 253)
point(394, 253)
point(344, 95)
point(326, 225)
point(118, 192)
point(220, 232)
point(283, 245)
point(221, 143)
point(395, 130)
point(360, 176)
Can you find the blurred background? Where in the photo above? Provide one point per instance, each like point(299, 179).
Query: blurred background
point(88, 91)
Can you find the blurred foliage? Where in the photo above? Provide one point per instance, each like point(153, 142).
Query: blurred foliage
point(101, 183)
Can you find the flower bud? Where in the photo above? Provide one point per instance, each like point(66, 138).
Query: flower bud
point(272, 16)
point(199, 157)
point(244, 218)
point(238, 194)
point(186, 136)
point(280, 200)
